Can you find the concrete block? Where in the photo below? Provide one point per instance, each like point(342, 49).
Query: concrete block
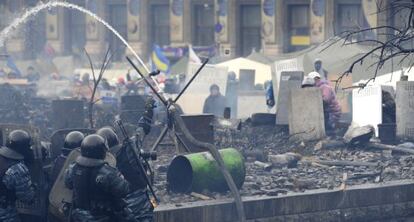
point(306, 120)
point(251, 102)
point(367, 106)
point(405, 110)
point(288, 81)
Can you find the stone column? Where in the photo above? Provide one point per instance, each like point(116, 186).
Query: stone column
point(384, 18)
point(135, 23)
point(180, 13)
point(317, 21)
point(142, 46)
point(55, 33)
point(279, 18)
point(370, 11)
point(225, 28)
point(329, 19)
point(15, 41)
point(270, 45)
point(95, 32)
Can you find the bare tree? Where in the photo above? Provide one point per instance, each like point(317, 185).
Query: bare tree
point(392, 42)
point(96, 81)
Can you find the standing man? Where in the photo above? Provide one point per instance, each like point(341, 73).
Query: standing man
point(15, 183)
point(270, 97)
point(331, 107)
point(317, 64)
point(215, 102)
point(98, 188)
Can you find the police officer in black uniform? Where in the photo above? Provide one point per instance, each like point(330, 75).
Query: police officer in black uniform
point(15, 183)
point(73, 140)
point(111, 138)
point(98, 188)
point(138, 204)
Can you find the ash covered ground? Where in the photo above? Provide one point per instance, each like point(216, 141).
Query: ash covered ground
point(280, 180)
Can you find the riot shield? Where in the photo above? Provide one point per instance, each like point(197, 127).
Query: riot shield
point(60, 197)
point(132, 108)
point(58, 138)
point(67, 113)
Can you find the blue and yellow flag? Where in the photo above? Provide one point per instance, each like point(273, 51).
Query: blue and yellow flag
point(159, 60)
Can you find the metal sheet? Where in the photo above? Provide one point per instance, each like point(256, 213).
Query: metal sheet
point(68, 114)
point(201, 127)
point(58, 138)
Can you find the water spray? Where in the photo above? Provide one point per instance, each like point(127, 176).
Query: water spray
point(5, 33)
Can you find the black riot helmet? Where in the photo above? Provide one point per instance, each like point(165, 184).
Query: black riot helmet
point(94, 146)
point(109, 135)
point(17, 145)
point(72, 140)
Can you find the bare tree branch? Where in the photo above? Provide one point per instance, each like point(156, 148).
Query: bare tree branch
point(394, 46)
point(92, 101)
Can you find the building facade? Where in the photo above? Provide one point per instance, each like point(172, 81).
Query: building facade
point(233, 27)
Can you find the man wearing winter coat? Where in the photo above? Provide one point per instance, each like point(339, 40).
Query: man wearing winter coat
point(215, 102)
point(331, 107)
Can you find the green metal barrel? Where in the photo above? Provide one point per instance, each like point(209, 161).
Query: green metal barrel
point(199, 171)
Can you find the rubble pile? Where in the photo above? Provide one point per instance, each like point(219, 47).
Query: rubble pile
point(276, 165)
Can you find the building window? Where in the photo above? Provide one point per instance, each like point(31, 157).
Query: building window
point(298, 27)
point(160, 24)
point(400, 15)
point(350, 17)
point(3, 16)
point(203, 24)
point(250, 28)
point(117, 17)
point(399, 18)
point(75, 33)
point(34, 33)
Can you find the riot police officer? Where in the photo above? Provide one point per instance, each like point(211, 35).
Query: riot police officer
point(15, 183)
point(111, 138)
point(73, 140)
point(138, 201)
point(98, 188)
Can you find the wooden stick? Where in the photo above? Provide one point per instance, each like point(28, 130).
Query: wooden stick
point(379, 146)
point(200, 196)
point(345, 163)
point(338, 163)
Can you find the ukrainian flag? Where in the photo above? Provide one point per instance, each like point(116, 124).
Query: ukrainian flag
point(159, 60)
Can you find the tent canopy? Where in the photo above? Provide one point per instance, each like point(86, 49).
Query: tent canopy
point(263, 72)
point(260, 57)
point(337, 58)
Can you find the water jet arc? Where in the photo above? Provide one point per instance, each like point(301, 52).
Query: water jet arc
point(43, 6)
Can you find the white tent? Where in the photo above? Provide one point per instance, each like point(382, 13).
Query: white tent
point(263, 72)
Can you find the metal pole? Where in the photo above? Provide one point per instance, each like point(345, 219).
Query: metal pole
point(191, 80)
point(146, 81)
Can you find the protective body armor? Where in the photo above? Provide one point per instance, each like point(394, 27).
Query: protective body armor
point(138, 202)
point(96, 190)
point(139, 206)
point(126, 163)
point(15, 185)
